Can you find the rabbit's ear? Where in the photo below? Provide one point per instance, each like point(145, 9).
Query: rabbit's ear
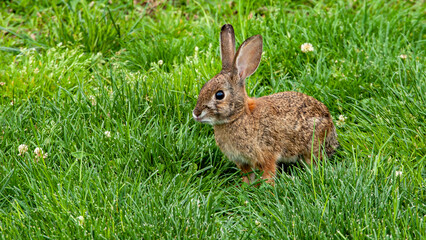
point(248, 57)
point(227, 46)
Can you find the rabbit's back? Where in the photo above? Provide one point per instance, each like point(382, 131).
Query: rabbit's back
point(293, 104)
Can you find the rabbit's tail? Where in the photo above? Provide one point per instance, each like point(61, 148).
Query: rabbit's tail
point(331, 143)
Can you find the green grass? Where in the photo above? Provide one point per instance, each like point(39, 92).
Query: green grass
point(73, 70)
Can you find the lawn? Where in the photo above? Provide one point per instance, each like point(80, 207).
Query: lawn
point(97, 138)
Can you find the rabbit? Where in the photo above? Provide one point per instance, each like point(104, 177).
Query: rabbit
point(257, 133)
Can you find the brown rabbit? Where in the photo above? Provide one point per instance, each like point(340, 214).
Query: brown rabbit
point(256, 133)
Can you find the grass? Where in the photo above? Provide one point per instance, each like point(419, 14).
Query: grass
point(73, 70)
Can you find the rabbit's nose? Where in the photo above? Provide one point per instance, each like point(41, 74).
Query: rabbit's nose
point(196, 113)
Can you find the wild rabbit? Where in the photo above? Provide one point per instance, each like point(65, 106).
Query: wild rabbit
point(256, 133)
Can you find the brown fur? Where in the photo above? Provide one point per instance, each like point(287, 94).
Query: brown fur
point(258, 133)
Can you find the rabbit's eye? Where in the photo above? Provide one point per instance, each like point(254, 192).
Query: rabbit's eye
point(220, 95)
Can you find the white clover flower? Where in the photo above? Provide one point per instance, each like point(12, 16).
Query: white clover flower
point(403, 56)
point(196, 49)
point(398, 173)
point(307, 47)
point(341, 121)
point(92, 100)
point(2, 83)
point(257, 223)
point(160, 62)
point(39, 153)
point(80, 220)
point(107, 134)
point(22, 149)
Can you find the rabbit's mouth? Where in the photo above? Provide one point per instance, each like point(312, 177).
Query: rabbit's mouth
point(201, 118)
